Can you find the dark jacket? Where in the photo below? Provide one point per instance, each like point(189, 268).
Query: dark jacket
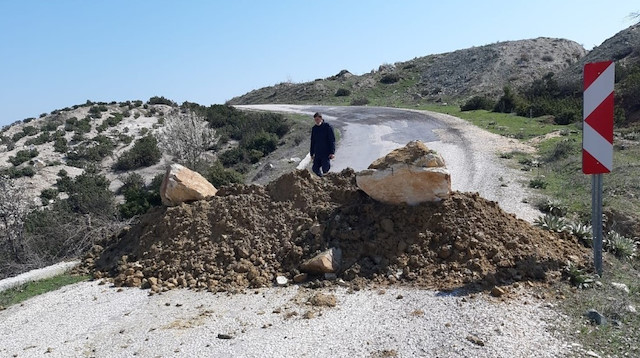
point(323, 141)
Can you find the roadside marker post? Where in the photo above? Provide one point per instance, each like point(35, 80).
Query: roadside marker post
point(597, 141)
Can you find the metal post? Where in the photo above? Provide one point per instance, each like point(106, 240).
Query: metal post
point(596, 220)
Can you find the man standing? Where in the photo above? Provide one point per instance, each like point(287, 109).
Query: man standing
point(323, 145)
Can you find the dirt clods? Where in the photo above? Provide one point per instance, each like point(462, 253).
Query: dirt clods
point(247, 235)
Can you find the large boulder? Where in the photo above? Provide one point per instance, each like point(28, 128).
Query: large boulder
point(409, 175)
point(181, 184)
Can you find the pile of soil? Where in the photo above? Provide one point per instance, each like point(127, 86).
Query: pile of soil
point(247, 235)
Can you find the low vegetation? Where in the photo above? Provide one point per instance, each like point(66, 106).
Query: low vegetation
point(31, 289)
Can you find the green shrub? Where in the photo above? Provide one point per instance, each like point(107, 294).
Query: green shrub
point(232, 156)
point(254, 155)
point(566, 117)
point(28, 171)
point(360, 101)
point(52, 125)
point(99, 148)
point(552, 207)
point(537, 183)
point(138, 197)
point(23, 156)
point(17, 136)
point(218, 176)
point(89, 194)
point(389, 78)
point(113, 120)
point(79, 126)
point(161, 100)
point(43, 138)
point(14, 173)
point(342, 92)
point(145, 152)
point(263, 142)
point(507, 103)
point(478, 102)
point(48, 194)
point(562, 149)
point(29, 130)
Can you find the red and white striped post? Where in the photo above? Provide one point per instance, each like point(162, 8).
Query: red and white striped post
point(597, 141)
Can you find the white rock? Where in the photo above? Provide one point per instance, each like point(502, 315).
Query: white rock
point(282, 281)
point(620, 286)
point(181, 184)
point(412, 174)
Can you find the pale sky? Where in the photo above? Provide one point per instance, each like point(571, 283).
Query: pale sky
point(56, 54)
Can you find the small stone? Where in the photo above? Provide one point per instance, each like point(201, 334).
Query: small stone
point(497, 292)
point(475, 340)
point(299, 278)
point(315, 229)
point(596, 317)
point(282, 281)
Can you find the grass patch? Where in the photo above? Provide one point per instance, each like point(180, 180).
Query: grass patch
point(508, 125)
point(31, 289)
point(620, 337)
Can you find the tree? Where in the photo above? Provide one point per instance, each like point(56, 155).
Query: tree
point(186, 137)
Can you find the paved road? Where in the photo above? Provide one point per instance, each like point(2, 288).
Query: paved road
point(368, 133)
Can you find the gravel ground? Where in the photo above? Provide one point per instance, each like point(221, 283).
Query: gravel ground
point(93, 320)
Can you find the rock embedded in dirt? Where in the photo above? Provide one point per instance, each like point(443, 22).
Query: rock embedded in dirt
point(410, 175)
point(247, 235)
point(325, 262)
point(181, 184)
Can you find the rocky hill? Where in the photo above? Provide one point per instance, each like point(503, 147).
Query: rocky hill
point(624, 48)
point(456, 76)
point(443, 77)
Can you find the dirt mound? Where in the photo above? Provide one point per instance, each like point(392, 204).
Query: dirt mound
point(247, 235)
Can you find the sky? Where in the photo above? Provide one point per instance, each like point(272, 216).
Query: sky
point(56, 54)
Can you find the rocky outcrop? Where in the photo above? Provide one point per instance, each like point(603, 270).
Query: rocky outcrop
point(181, 184)
point(412, 174)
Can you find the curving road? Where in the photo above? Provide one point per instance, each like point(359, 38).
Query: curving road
point(368, 133)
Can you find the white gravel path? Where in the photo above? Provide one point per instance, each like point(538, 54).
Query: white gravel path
point(92, 320)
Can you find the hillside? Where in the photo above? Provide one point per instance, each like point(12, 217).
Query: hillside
point(623, 48)
point(97, 135)
point(455, 77)
point(445, 77)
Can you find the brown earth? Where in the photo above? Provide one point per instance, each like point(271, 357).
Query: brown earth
point(247, 235)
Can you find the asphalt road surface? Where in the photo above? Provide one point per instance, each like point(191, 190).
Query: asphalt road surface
point(471, 154)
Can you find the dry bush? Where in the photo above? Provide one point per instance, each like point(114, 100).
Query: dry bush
point(186, 137)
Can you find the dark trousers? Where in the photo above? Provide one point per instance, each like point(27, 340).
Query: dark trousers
point(321, 162)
